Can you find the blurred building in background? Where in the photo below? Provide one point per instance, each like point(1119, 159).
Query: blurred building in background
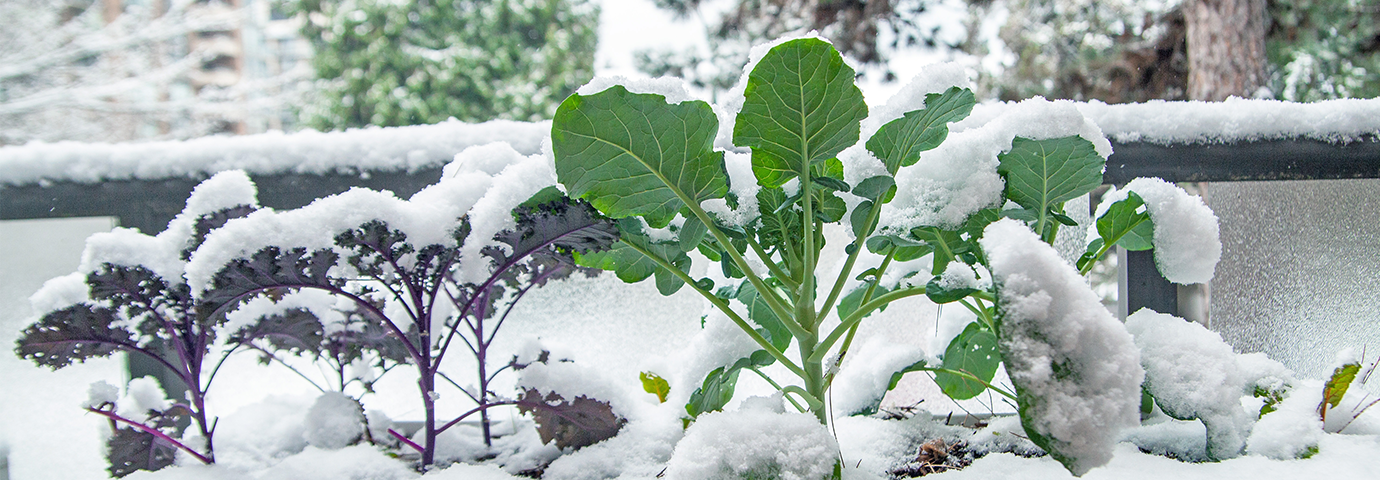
point(123, 70)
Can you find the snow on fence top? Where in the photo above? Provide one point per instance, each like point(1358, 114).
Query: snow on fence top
point(412, 148)
point(1235, 120)
point(354, 150)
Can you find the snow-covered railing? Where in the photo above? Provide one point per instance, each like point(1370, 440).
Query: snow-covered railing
point(145, 184)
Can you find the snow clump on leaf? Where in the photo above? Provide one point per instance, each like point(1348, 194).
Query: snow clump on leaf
point(1192, 373)
point(1187, 247)
point(1076, 371)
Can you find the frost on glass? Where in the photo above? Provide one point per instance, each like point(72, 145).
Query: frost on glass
point(1299, 269)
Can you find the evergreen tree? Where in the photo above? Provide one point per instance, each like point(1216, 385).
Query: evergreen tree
point(409, 62)
point(863, 30)
point(1325, 49)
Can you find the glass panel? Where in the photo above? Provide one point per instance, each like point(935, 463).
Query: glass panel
point(1298, 277)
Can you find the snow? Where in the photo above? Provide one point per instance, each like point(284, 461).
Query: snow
point(866, 373)
point(141, 395)
point(1050, 315)
point(428, 218)
point(1063, 348)
point(672, 88)
point(355, 150)
point(100, 393)
point(1193, 374)
point(754, 444)
point(1293, 428)
point(934, 78)
point(1235, 119)
point(334, 421)
point(959, 177)
point(1187, 247)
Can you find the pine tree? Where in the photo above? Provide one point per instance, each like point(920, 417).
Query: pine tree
point(391, 62)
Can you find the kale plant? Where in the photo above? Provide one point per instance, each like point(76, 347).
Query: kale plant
point(653, 166)
point(412, 289)
point(137, 302)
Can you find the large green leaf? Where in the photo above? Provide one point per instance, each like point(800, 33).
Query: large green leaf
point(800, 108)
point(1128, 224)
point(899, 143)
point(634, 154)
point(973, 351)
point(1043, 174)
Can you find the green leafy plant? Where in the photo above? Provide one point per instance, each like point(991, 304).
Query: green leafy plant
point(652, 164)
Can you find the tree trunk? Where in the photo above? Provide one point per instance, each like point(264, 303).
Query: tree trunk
point(1226, 47)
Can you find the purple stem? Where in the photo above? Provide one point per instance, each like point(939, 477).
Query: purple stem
point(152, 431)
point(403, 439)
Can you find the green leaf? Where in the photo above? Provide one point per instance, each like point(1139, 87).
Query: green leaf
point(947, 245)
point(634, 154)
point(941, 295)
point(1043, 174)
point(692, 233)
point(829, 208)
point(1090, 256)
point(709, 252)
point(545, 196)
point(800, 108)
point(1127, 223)
point(631, 266)
point(859, 217)
point(654, 384)
point(1021, 214)
point(880, 187)
point(1337, 386)
point(906, 249)
point(973, 351)
point(831, 183)
point(896, 377)
point(761, 314)
point(718, 386)
point(899, 143)
point(1271, 399)
point(854, 299)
